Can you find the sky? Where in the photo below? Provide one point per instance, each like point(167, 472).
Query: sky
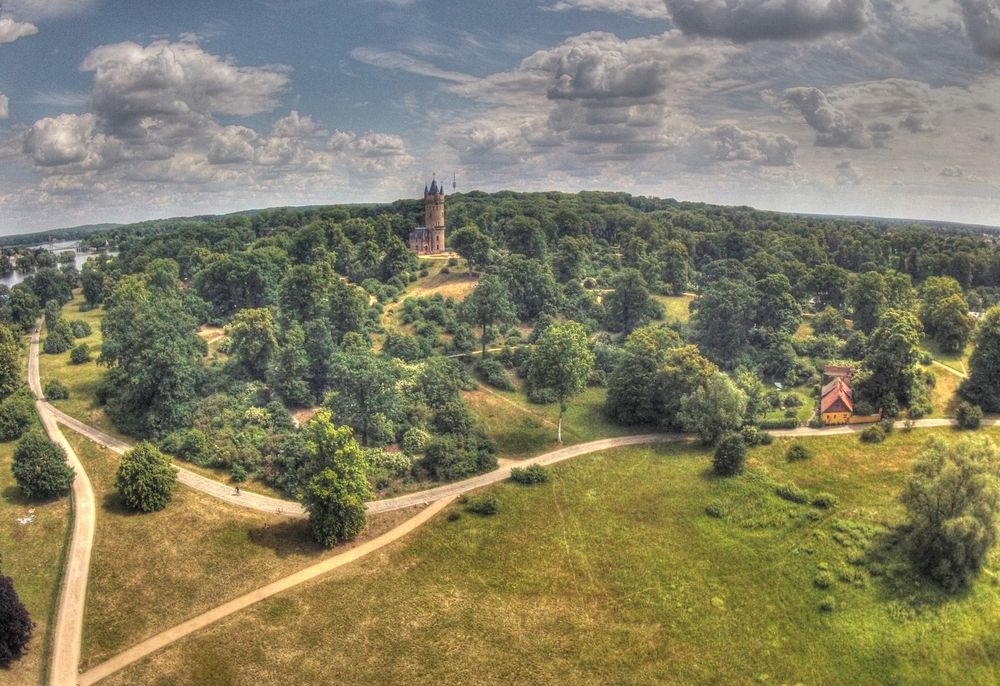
point(123, 110)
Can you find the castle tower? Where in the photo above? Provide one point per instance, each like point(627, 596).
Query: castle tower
point(434, 215)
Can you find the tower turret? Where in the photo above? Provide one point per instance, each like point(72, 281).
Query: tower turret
point(434, 216)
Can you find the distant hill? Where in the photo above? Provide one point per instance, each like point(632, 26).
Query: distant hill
point(68, 234)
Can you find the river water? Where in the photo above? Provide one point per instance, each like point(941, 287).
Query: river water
point(16, 277)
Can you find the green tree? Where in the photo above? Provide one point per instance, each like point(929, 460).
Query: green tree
point(951, 500)
point(633, 387)
point(337, 490)
point(982, 388)
point(16, 626)
point(472, 244)
point(777, 308)
point(24, 306)
point(290, 369)
point(252, 340)
point(953, 325)
point(145, 479)
point(488, 305)
point(730, 455)
point(531, 286)
point(888, 374)
point(629, 305)
point(561, 362)
point(40, 467)
point(830, 321)
point(365, 387)
point(722, 320)
point(683, 370)
point(10, 362)
point(715, 408)
point(868, 299)
point(934, 290)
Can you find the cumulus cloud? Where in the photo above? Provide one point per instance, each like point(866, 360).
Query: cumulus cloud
point(11, 30)
point(982, 23)
point(63, 140)
point(644, 9)
point(752, 20)
point(834, 128)
point(953, 172)
point(847, 175)
point(4, 107)
point(730, 143)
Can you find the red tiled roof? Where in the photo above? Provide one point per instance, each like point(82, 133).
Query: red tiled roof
point(836, 398)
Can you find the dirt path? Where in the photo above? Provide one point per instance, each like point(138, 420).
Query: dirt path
point(952, 370)
point(67, 633)
point(178, 632)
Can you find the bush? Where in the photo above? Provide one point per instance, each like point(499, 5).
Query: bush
point(145, 479)
point(484, 505)
point(80, 354)
point(56, 390)
point(56, 342)
point(796, 452)
point(16, 414)
point(828, 604)
point(730, 455)
point(189, 445)
point(15, 623)
point(791, 493)
point(779, 424)
point(823, 579)
point(493, 373)
point(80, 328)
point(969, 416)
point(238, 473)
point(415, 441)
point(715, 509)
point(456, 457)
point(40, 467)
point(530, 475)
point(824, 501)
point(873, 434)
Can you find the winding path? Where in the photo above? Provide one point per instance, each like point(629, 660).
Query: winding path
point(67, 634)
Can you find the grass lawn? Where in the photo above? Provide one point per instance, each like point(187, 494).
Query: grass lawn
point(614, 573)
point(959, 361)
point(944, 394)
point(152, 571)
point(676, 306)
point(82, 379)
point(522, 429)
point(803, 413)
point(32, 556)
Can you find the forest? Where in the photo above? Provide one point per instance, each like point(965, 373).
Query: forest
point(566, 291)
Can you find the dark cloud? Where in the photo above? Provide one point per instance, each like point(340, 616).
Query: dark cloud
point(917, 123)
point(753, 20)
point(953, 172)
point(982, 23)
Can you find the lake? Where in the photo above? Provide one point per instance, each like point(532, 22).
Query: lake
point(16, 277)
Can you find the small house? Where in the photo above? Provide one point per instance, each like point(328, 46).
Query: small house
point(836, 403)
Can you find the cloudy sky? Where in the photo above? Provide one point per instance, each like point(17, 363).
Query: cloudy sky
point(119, 110)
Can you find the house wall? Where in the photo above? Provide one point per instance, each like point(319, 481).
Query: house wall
point(833, 418)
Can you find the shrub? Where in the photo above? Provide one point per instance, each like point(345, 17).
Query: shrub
point(80, 328)
point(415, 441)
point(791, 401)
point(40, 467)
point(238, 473)
point(824, 501)
point(484, 505)
point(766, 438)
point(771, 424)
point(532, 474)
point(823, 579)
point(791, 493)
point(189, 445)
point(796, 452)
point(389, 463)
point(752, 436)
point(456, 457)
point(873, 434)
point(454, 515)
point(145, 479)
point(969, 416)
point(715, 509)
point(828, 604)
point(16, 413)
point(730, 455)
point(80, 354)
point(493, 372)
point(56, 390)
point(56, 342)
point(15, 623)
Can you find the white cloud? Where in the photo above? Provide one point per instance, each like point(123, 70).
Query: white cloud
point(752, 20)
point(4, 107)
point(11, 30)
point(63, 140)
point(954, 172)
point(391, 59)
point(644, 9)
point(982, 23)
point(834, 128)
point(730, 143)
point(48, 9)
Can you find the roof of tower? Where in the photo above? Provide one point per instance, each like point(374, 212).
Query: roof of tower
point(426, 190)
point(434, 187)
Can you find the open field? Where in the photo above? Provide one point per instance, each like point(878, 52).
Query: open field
point(32, 556)
point(944, 394)
point(614, 573)
point(958, 361)
point(676, 306)
point(522, 429)
point(151, 571)
point(82, 379)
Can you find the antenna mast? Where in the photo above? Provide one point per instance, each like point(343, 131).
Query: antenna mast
point(454, 181)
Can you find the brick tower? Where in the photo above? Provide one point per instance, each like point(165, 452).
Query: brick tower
point(429, 238)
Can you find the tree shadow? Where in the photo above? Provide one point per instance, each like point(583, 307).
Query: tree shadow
point(285, 538)
point(12, 494)
point(895, 578)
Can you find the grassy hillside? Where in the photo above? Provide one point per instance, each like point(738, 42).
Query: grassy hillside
point(614, 572)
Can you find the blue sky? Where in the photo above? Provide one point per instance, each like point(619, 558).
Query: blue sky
point(114, 110)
